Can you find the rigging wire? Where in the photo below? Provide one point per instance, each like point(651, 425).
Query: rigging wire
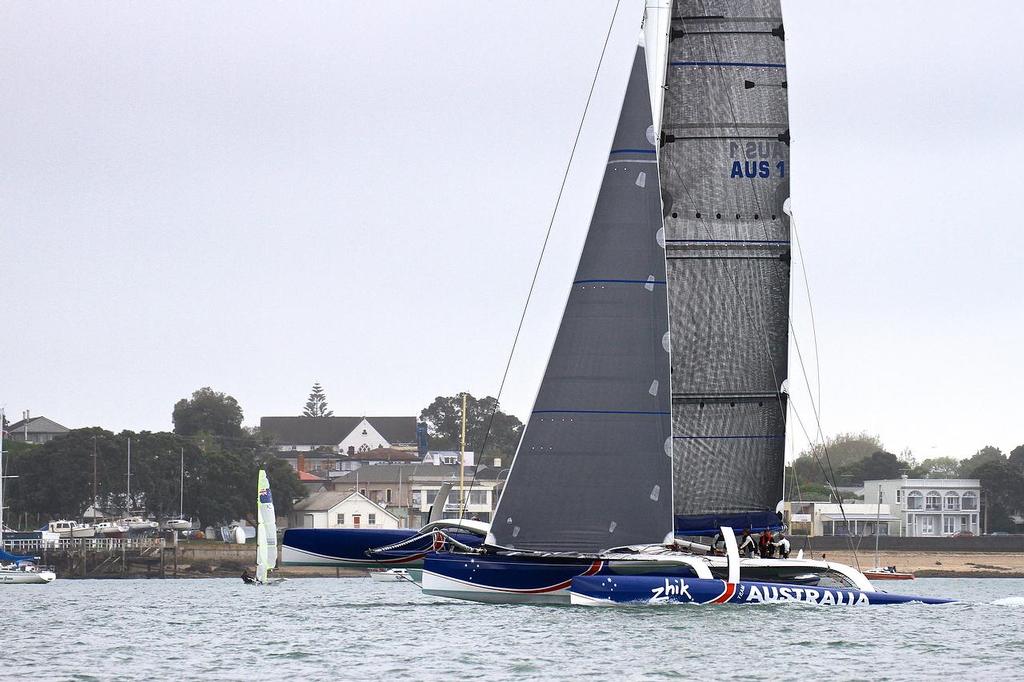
point(540, 257)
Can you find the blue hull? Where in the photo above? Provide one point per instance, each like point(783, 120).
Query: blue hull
point(348, 547)
point(503, 578)
point(609, 589)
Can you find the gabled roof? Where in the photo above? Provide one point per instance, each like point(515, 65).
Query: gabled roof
point(333, 430)
point(307, 477)
point(325, 501)
point(44, 425)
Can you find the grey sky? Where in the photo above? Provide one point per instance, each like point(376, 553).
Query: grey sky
point(257, 196)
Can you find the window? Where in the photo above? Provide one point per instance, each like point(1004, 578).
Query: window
point(952, 502)
point(899, 495)
point(387, 495)
point(477, 497)
point(341, 519)
point(915, 500)
point(371, 519)
point(950, 524)
point(969, 501)
point(926, 525)
point(933, 501)
point(364, 448)
point(416, 497)
point(431, 496)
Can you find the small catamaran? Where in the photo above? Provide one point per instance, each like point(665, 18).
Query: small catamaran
point(266, 533)
point(661, 415)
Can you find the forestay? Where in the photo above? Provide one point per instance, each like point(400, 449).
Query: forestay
point(725, 176)
point(593, 469)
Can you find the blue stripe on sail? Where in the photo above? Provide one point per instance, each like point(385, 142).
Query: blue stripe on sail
point(633, 151)
point(754, 64)
point(619, 281)
point(597, 412)
point(772, 436)
point(728, 241)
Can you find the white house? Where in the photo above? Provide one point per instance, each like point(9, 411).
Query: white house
point(931, 507)
point(828, 518)
point(341, 510)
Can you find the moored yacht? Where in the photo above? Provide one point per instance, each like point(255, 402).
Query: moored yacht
point(71, 529)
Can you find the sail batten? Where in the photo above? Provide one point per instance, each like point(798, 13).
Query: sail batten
point(592, 470)
point(725, 177)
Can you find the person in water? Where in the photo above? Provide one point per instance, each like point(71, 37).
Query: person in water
point(747, 545)
point(248, 578)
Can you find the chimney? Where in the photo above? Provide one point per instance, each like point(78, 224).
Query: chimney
point(301, 464)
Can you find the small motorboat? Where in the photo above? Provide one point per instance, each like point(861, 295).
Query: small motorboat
point(178, 524)
point(137, 524)
point(392, 575)
point(71, 529)
point(110, 529)
point(887, 573)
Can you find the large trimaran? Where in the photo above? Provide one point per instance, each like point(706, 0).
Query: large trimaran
point(662, 411)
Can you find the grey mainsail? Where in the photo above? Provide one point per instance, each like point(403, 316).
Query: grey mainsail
point(725, 177)
point(592, 470)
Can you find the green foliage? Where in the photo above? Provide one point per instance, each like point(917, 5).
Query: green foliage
point(1002, 486)
point(986, 455)
point(444, 423)
point(1016, 457)
point(210, 411)
point(316, 406)
point(56, 478)
point(844, 450)
point(879, 465)
point(937, 467)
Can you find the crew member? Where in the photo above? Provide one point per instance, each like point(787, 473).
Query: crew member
point(781, 543)
point(747, 544)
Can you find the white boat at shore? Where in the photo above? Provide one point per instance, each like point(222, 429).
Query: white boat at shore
point(392, 575)
point(110, 529)
point(137, 524)
point(71, 529)
point(178, 524)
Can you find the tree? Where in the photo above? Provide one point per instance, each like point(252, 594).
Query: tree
point(843, 450)
point(444, 425)
point(1017, 457)
point(210, 411)
point(880, 466)
point(938, 467)
point(989, 453)
point(1002, 490)
point(316, 406)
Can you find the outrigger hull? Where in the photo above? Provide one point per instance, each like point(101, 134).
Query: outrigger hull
point(349, 547)
point(503, 580)
point(613, 589)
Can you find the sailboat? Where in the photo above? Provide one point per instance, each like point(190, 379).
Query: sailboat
point(661, 413)
point(266, 533)
point(180, 523)
point(15, 569)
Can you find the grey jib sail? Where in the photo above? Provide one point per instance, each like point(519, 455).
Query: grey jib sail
point(592, 470)
point(725, 177)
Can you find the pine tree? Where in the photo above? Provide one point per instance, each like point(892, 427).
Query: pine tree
point(316, 406)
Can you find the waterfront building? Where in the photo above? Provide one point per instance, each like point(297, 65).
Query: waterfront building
point(931, 507)
point(827, 518)
point(340, 435)
point(341, 510)
point(35, 430)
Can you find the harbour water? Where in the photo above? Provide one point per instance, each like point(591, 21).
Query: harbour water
point(347, 629)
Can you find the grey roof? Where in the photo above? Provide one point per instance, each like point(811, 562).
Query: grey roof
point(44, 425)
point(332, 430)
point(422, 473)
point(322, 501)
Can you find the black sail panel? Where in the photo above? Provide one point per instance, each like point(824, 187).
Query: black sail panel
point(725, 177)
point(593, 469)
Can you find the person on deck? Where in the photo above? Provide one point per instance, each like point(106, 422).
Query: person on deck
point(781, 543)
point(764, 544)
point(717, 544)
point(747, 545)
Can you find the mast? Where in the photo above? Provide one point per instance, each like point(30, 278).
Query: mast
point(129, 502)
point(181, 499)
point(462, 461)
point(878, 519)
point(94, 495)
point(1, 478)
point(724, 163)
